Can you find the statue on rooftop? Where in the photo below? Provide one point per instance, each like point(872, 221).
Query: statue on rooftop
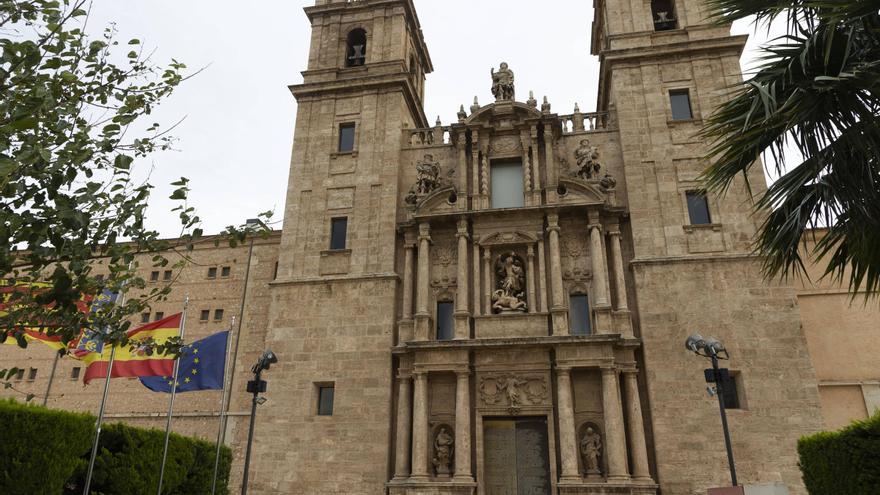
point(502, 83)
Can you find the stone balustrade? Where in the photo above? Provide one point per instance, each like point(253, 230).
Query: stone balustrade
point(585, 122)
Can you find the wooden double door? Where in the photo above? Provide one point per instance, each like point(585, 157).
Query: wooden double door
point(516, 455)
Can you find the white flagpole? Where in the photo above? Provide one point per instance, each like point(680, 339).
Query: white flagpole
point(100, 420)
point(222, 425)
point(171, 402)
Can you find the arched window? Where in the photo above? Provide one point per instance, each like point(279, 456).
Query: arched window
point(356, 48)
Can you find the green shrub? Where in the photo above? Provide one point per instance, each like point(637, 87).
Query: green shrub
point(845, 461)
point(41, 448)
point(47, 451)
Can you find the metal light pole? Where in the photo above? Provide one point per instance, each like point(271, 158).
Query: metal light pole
point(255, 386)
point(714, 350)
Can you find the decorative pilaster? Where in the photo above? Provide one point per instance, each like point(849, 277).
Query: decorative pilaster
point(530, 279)
point(462, 323)
point(638, 449)
point(423, 316)
point(615, 437)
point(568, 449)
point(484, 179)
point(536, 168)
point(462, 169)
point(404, 427)
point(405, 328)
point(487, 280)
point(477, 307)
point(475, 169)
point(557, 310)
point(527, 168)
point(463, 427)
point(420, 428)
point(550, 161)
point(542, 277)
point(619, 276)
point(597, 256)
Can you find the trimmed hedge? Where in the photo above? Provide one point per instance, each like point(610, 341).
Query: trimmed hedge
point(46, 451)
point(845, 461)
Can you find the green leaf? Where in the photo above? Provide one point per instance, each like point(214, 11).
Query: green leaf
point(123, 162)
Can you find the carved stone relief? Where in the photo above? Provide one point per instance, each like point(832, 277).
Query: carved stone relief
point(575, 257)
point(505, 145)
point(443, 255)
point(513, 390)
point(509, 295)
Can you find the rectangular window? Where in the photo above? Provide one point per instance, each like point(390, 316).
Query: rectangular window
point(167, 275)
point(19, 375)
point(579, 314)
point(32, 374)
point(204, 315)
point(698, 208)
point(74, 373)
point(445, 323)
point(507, 184)
point(346, 137)
point(159, 315)
point(225, 271)
point(154, 276)
point(218, 314)
point(338, 232)
point(680, 99)
point(325, 400)
point(212, 272)
point(664, 15)
point(145, 317)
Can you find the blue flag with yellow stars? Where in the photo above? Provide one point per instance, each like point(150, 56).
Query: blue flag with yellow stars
point(201, 367)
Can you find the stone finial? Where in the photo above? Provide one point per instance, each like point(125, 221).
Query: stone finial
point(577, 109)
point(475, 106)
point(532, 102)
point(462, 115)
point(545, 107)
point(438, 123)
point(502, 83)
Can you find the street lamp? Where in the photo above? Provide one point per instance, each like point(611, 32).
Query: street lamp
point(256, 386)
point(713, 349)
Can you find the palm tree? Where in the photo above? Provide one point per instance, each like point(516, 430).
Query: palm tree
point(817, 87)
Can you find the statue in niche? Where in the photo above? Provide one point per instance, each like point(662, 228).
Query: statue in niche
point(509, 295)
point(591, 451)
point(444, 448)
point(502, 83)
point(427, 179)
point(587, 157)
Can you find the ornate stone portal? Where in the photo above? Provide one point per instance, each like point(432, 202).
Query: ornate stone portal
point(509, 295)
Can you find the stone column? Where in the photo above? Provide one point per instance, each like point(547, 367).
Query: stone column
point(463, 427)
point(404, 427)
point(638, 449)
point(462, 170)
point(420, 428)
point(568, 448)
point(530, 280)
point(542, 278)
point(527, 167)
point(550, 160)
point(619, 278)
point(422, 314)
point(558, 311)
point(475, 169)
point(477, 293)
point(536, 166)
point(405, 328)
point(487, 281)
point(615, 437)
point(462, 325)
point(597, 256)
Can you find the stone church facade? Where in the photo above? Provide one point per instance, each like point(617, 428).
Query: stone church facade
point(499, 305)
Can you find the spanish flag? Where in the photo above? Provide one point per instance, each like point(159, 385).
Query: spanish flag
point(131, 360)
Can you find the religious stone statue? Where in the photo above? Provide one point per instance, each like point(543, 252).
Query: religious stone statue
point(510, 384)
point(443, 452)
point(427, 179)
point(608, 182)
point(591, 450)
point(502, 83)
point(509, 295)
point(587, 157)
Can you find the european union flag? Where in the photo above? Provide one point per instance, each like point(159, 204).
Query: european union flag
point(201, 367)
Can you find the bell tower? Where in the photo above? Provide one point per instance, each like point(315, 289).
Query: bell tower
point(664, 68)
point(333, 305)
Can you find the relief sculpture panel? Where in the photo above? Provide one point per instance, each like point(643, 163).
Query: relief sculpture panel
point(513, 391)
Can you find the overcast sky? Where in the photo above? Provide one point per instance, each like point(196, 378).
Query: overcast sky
point(235, 139)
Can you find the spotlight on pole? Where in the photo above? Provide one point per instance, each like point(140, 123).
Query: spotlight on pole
point(255, 387)
point(714, 349)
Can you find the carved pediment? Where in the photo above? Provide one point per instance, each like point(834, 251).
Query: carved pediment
point(507, 238)
point(509, 111)
point(579, 191)
point(438, 201)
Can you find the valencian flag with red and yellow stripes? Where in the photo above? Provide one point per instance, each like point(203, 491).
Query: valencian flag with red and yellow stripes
point(131, 360)
point(31, 332)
